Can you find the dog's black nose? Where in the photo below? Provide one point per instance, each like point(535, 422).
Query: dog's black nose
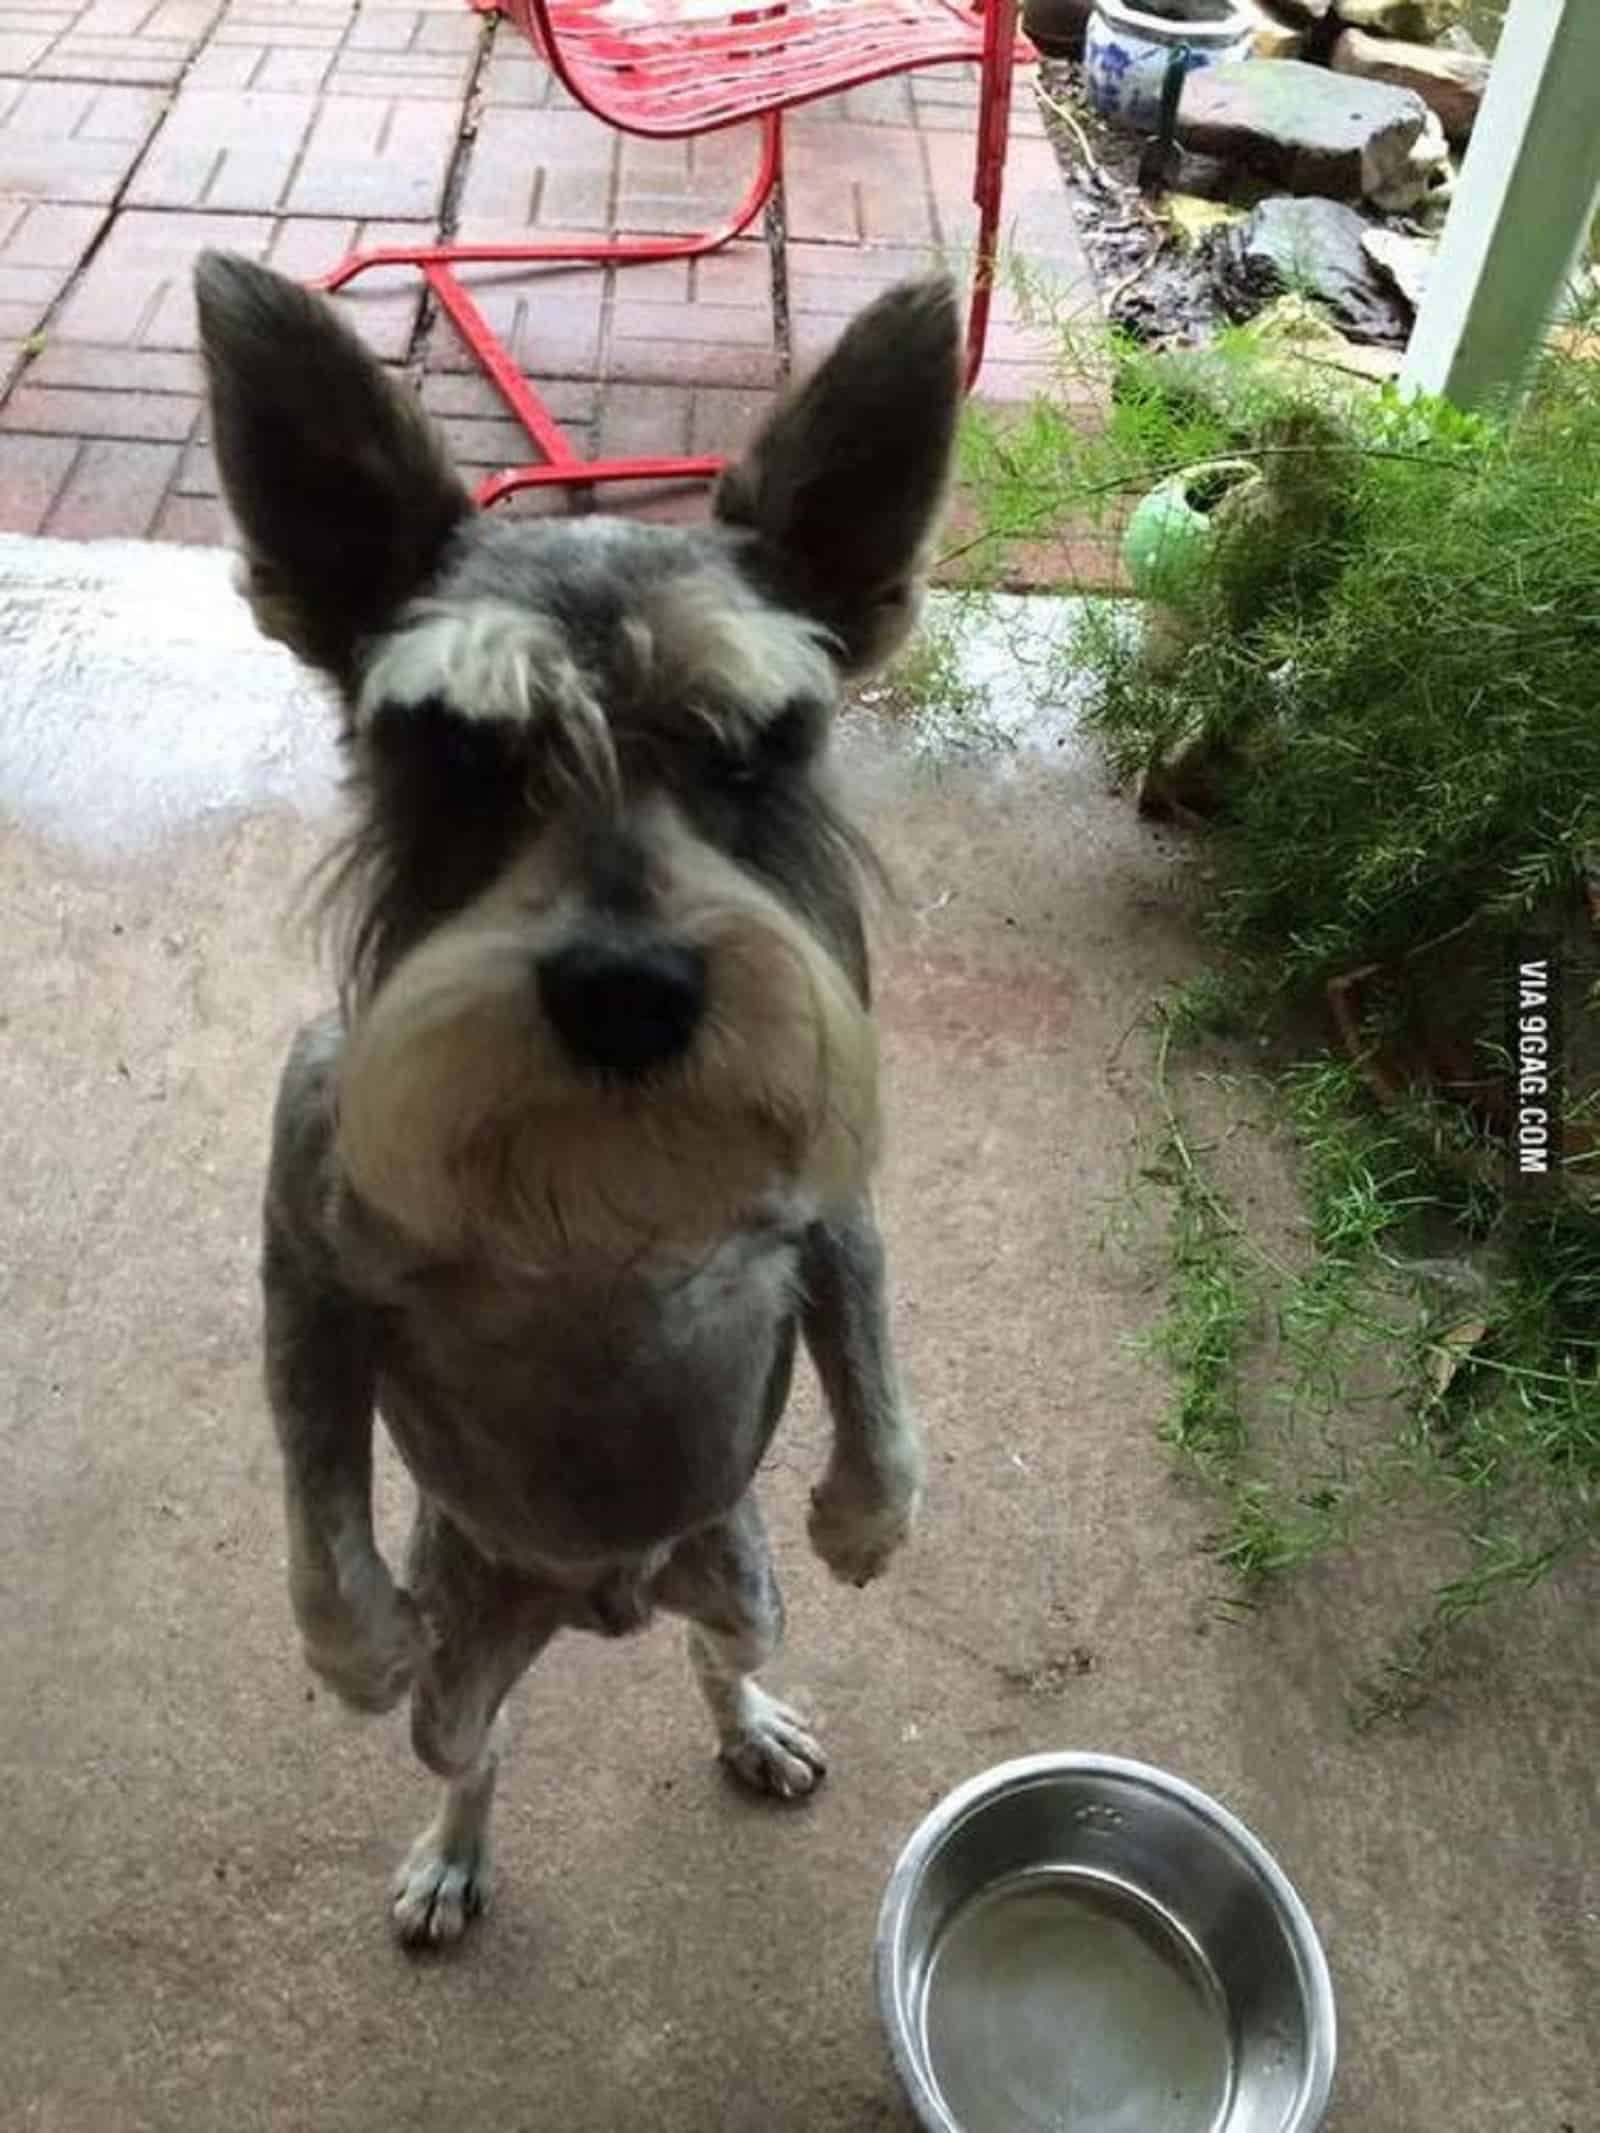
point(624, 1008)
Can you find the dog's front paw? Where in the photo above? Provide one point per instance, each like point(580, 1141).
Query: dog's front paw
point(768, 1748)
point(440, 1889)
point(857, 1520)
point(367, 1646)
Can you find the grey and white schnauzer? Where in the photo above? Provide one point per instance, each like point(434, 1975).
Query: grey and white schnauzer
point(588, 1140)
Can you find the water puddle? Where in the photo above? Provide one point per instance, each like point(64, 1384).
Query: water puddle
point(138, 698)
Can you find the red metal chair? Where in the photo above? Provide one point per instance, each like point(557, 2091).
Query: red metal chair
point(668, 68)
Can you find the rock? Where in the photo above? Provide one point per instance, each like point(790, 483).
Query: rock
point(1432, 211)
point(1405, 261)
point(1213, 178)
point(1424, 20)
point(1292, 332)
point(1271, 37)
point(1193, 217)
point(1450, 83)
point(1303, 128)
point(1314, 248)
point(1427, 178)
point(1170, 302)
point(1458, 38)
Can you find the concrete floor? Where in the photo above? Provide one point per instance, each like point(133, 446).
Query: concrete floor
point(196, 1846)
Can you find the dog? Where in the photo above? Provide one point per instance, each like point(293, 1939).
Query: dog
point(586, 1147)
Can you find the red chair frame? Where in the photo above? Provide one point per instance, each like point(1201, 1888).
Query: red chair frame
point(674, 76)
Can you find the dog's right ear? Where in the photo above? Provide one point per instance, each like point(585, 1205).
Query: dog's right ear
point(337, 481)
point(844, 484)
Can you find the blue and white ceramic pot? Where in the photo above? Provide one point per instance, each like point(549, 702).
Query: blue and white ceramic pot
point(1127, 49)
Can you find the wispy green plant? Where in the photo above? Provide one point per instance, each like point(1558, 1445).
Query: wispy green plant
point(1403, 645)
point(1203, 1332)
point(1493, 1396)
point(1409, 1675)
point(1219, 1288)
point(1264, 1538)
point(1394, 648)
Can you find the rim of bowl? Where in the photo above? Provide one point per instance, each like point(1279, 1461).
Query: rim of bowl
point(1311, 1964)
point(1173, 29)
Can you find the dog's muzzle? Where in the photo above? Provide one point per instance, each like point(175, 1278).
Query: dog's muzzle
point(623, 1006)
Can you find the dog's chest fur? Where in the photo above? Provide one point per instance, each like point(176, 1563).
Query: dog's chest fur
point(567, 1423)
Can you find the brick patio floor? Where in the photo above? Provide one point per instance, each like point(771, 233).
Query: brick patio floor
point(132, 132)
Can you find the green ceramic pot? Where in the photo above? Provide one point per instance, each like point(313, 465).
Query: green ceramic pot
point(1170, 534)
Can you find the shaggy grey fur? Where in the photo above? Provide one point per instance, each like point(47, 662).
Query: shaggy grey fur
point(583, 1433)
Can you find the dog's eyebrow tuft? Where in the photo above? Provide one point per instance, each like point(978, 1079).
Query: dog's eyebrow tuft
point(692, 645)
point(741, 665)
point(490, 662)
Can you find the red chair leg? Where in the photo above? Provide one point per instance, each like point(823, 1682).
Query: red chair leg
point(988, 185)
point(559, 465)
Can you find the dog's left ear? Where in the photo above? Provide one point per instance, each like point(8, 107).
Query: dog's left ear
point(844, 485)
point(338, 482)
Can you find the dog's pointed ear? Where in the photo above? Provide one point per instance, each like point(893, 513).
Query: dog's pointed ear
point(844, 485)
point(338, 483)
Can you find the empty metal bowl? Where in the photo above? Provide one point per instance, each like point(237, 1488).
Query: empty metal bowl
point(1079, 1944)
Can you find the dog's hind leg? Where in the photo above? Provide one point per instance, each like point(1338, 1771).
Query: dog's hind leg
point(487, 1627)
point(722, 1581)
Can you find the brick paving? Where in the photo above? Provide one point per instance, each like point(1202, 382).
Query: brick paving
point(133, 132)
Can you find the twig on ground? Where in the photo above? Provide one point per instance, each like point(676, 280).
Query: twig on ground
point(1070, 120)
point(1347, 1021)
point(1119, 290)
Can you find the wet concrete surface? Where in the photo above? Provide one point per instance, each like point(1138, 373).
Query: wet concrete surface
point(196, 1845)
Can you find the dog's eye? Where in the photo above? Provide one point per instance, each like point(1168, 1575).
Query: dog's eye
point(740, 765)
point(460, 757)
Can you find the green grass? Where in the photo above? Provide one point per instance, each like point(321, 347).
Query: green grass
point(1221, 1290)
point(1394, 653)
point(1206, 1324)
point(1264, 1538)
point(1482, 1370)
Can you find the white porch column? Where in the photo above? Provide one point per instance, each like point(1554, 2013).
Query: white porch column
point(1528, 188)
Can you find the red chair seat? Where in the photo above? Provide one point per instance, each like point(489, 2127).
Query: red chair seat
point(671, 67)
point(680, 67)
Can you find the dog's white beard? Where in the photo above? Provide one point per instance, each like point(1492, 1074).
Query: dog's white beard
point(462, 1120)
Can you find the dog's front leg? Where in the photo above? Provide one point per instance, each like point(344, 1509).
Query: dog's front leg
point(863, 1507)
point(361, 1634)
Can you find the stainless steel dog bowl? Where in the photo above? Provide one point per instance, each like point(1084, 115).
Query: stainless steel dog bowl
point(1078, 1944)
